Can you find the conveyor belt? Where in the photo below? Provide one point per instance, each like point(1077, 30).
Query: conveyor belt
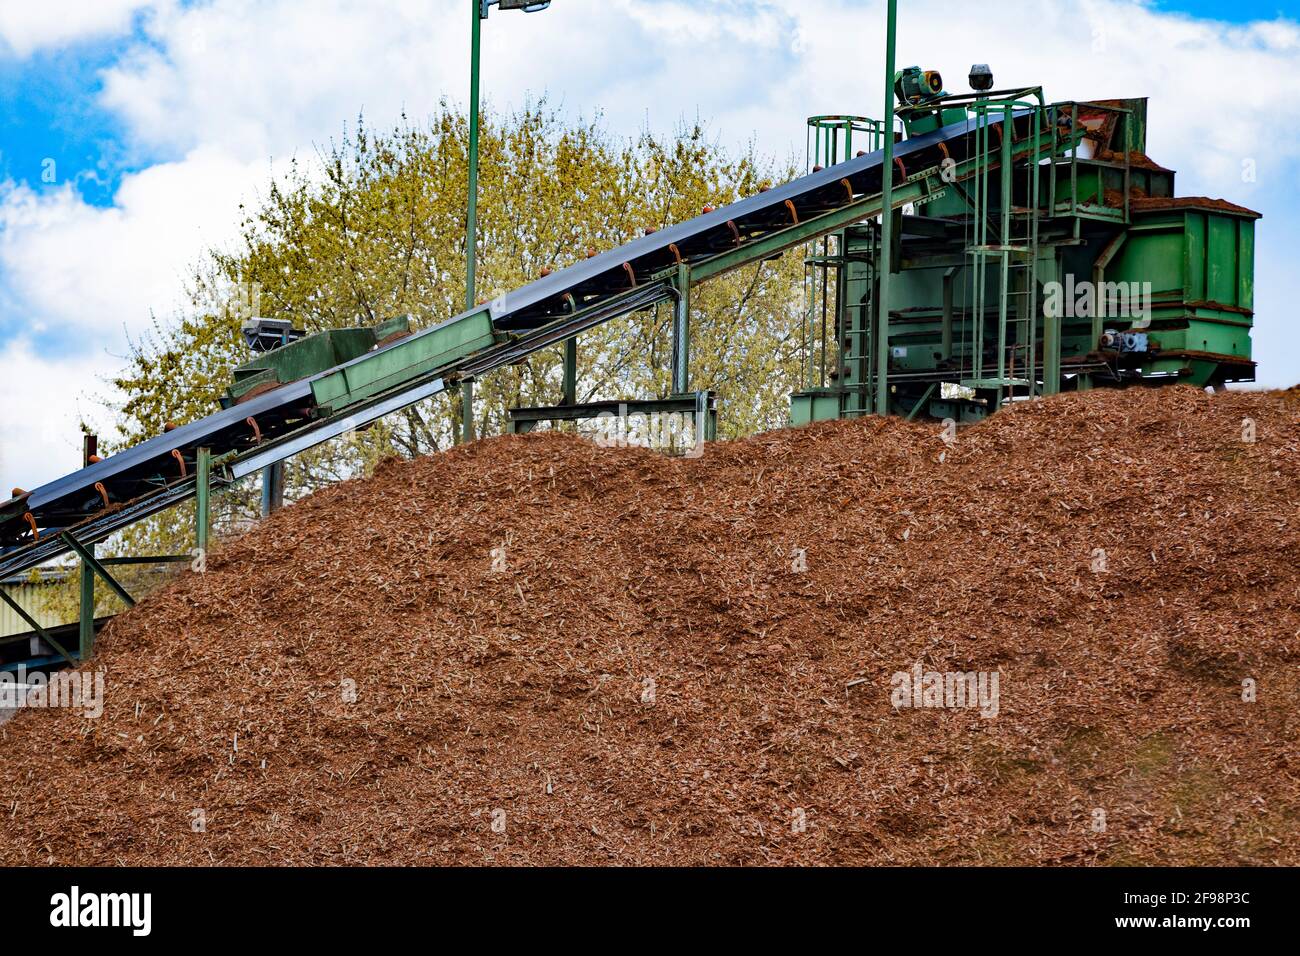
point(545, 299)
point(158, 473)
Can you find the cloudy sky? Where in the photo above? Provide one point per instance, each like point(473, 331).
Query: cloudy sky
point(131, 129)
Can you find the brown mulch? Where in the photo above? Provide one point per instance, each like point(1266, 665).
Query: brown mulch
point(1149, 203)
point(1136, 158)
point(507, 716)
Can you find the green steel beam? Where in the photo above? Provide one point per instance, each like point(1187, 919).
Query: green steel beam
point(925, 397)
point(466, 411)
point(98, 568)
point(40, 631)
point(570, 372)
point(272, 489)
point(682, 330)
point(887, 220)
point(1005, 266)
point(148, 559)
point(86, 628)
point(404, 362)
point(945, 341)
point(202, 499)
point(86, 623)
point(471, 219)
point(1051, 354)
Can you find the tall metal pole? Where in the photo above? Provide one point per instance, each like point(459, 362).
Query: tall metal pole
point(202, 500)
point(471, 225)
point(86, 626)
point(1008, 130)
point(886, 219)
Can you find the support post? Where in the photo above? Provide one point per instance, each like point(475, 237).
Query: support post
point(1051, 331)
point(682, 331)
point(471, 218)
point(202, 499)
point(86, 622)
point(1051, 353)
point(886, 219)
point(925, 397)
point(945, 341)
point(1008, 134)
point(272, 488)
point(1098, 308)
point(466, 411)
point(570, 372)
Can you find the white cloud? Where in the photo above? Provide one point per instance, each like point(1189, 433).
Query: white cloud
point(48, 394)
point(70, 267)
point(27, 26)
point(271, 76)
point(79, 279)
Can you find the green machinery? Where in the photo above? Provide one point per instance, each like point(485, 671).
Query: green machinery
point(1058, 264)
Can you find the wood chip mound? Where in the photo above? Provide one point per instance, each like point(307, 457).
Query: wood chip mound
point(534, 650)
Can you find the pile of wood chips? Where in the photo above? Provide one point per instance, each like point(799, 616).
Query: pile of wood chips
point(535, 650)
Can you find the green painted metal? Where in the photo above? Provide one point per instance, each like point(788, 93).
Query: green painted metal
point(202, 500)
point(831, 138)
point(968, 305)
point(815, 405)
point(86, 619)
point(86, 611)
point(681, 371)
point(477, 14)
point(40, 631)
point(466, 411)
point(570, 391)
point(471, 218)
point(102, 572)
point(1049, 269)
point(272, 489)
point(311, 355)
point(921, 402)
point(887, 220)
point(697, 404)
point(405, 360)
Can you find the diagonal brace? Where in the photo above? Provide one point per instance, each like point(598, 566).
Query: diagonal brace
point(40, 631)
point(98, 568)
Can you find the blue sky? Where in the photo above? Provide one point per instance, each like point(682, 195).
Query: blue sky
point(131, 129)
point(48, 111)
point(1240, 12)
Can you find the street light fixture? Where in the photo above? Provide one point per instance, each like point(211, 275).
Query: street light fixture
point(478, 13)
point(528, 6)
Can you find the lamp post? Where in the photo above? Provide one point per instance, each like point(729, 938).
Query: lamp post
point(478, 13)
point(886, 219)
